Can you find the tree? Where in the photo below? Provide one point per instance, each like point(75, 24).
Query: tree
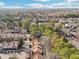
point(34, 30)
point(74, 56)
point(62, 47)
point(25, 23)
point(48, 32)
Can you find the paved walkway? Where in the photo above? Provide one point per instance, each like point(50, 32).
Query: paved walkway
point(23, 55)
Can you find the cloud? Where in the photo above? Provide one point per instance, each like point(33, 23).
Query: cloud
point(1, 4)
point(58, 4)
point(41, 0)
point(38, 6)
point(53, 5)
point(72, 0)
point(72, 3)
point(11, 7)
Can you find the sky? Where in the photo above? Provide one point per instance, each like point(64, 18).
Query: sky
point(45, 4)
